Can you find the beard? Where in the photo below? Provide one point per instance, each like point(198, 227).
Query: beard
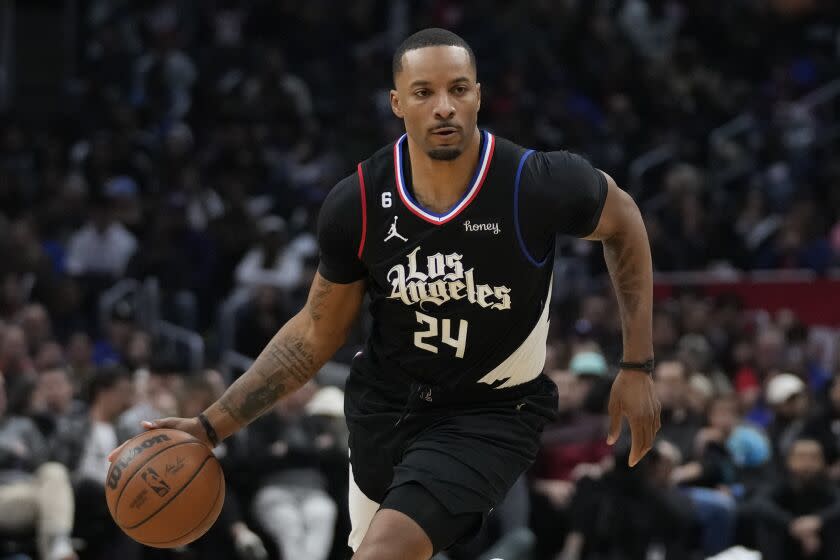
point(444, 154)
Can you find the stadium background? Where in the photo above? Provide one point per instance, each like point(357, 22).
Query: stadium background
point(161, 167)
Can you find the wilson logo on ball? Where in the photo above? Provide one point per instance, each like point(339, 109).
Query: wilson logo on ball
point(128, 456)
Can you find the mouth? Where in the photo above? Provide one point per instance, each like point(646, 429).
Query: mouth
point(445, 132)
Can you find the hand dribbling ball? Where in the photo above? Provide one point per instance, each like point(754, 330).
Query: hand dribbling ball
point(165, 489)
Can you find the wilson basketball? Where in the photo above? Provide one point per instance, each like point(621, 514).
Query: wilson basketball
point(165, 489)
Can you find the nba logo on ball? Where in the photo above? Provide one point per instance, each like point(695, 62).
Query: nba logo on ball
point(158, 485)
point(165, 488)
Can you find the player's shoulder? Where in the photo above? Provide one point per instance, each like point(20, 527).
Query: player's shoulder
point(557, 164)
point(382, 160)
point(505, 145)
point(345, 195)
point(509, 156)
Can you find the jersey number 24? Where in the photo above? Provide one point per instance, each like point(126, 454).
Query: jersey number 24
point(459, 343)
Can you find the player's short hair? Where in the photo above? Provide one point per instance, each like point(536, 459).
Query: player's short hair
point(429, 37)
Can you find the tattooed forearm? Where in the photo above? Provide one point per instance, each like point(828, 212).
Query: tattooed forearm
point(286, 364)
point(292, 357)
point(295, 359)
point(319, 294)
point(627, 254)
point(625, 266)
point(256, 402)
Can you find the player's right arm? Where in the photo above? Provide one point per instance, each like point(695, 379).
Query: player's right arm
point(293, 357)
point(310, 338)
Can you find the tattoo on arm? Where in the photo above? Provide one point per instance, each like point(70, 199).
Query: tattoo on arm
point(316, 301)
point(623, 264)
point(262, 398)
point(286, 364)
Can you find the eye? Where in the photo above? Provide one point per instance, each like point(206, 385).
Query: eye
point(460, 90)
point(422, 93)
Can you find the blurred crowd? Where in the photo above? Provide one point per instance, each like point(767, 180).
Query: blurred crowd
point(194, 147)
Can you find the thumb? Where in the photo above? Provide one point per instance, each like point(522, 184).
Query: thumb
point(615, 423)
point(115, 453)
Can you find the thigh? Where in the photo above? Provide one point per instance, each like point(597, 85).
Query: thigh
point(18, 505)
point(470, 460)
point(440, 526)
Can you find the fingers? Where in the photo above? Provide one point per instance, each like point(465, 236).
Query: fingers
point(643, 431)
point(146, 425)
point(159, 423)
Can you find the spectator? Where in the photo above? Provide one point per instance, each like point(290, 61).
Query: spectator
point(54, 399)
point(292, 504)
point(83, 443)
point(259, 320)
point(35, 323)
point(723, 449)
point(797, 517)
point(661, 517)
point(102, 247)
point(700, 393)
point(230, 535)
point(679, 424)
point(767, 357)
point(15, 361)
point(787, 395)
point(80, 361)
point(593, 381)
point(34, 493)
point(272, 263)
point(49, 355)
point(824, 426)
point(572, 447)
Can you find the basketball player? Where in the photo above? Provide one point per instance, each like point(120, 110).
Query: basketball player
point(450, 230)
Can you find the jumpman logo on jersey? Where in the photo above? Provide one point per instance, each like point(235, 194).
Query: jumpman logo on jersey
point(392, 232)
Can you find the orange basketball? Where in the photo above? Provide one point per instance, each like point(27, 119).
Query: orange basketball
point(165, 489)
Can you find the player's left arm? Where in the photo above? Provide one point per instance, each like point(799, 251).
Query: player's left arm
point(621, 229)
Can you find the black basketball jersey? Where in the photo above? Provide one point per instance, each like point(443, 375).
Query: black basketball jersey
point(459, 299)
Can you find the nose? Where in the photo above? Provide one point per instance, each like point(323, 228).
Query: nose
point(444, 108)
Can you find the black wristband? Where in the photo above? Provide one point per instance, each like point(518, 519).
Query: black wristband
point(208, 427)
point(646, 367)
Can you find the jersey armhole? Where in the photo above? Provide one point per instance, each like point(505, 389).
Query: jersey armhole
point(522, 246)
point(364, 211)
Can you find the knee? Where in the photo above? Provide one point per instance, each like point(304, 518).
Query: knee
point(393, 535)
point(53, 472)
point(322, 506)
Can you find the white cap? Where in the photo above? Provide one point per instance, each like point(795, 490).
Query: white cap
point(328, 401)
point(782, 387)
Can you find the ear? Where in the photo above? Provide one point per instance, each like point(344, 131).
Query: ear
point(478, 92)
point(395, 104)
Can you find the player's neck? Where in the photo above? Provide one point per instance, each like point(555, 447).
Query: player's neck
point(438, 185)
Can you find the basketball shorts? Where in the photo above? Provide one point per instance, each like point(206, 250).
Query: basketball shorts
point(443, 462)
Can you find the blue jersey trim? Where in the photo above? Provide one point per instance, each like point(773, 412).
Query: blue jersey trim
point(522, 246)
